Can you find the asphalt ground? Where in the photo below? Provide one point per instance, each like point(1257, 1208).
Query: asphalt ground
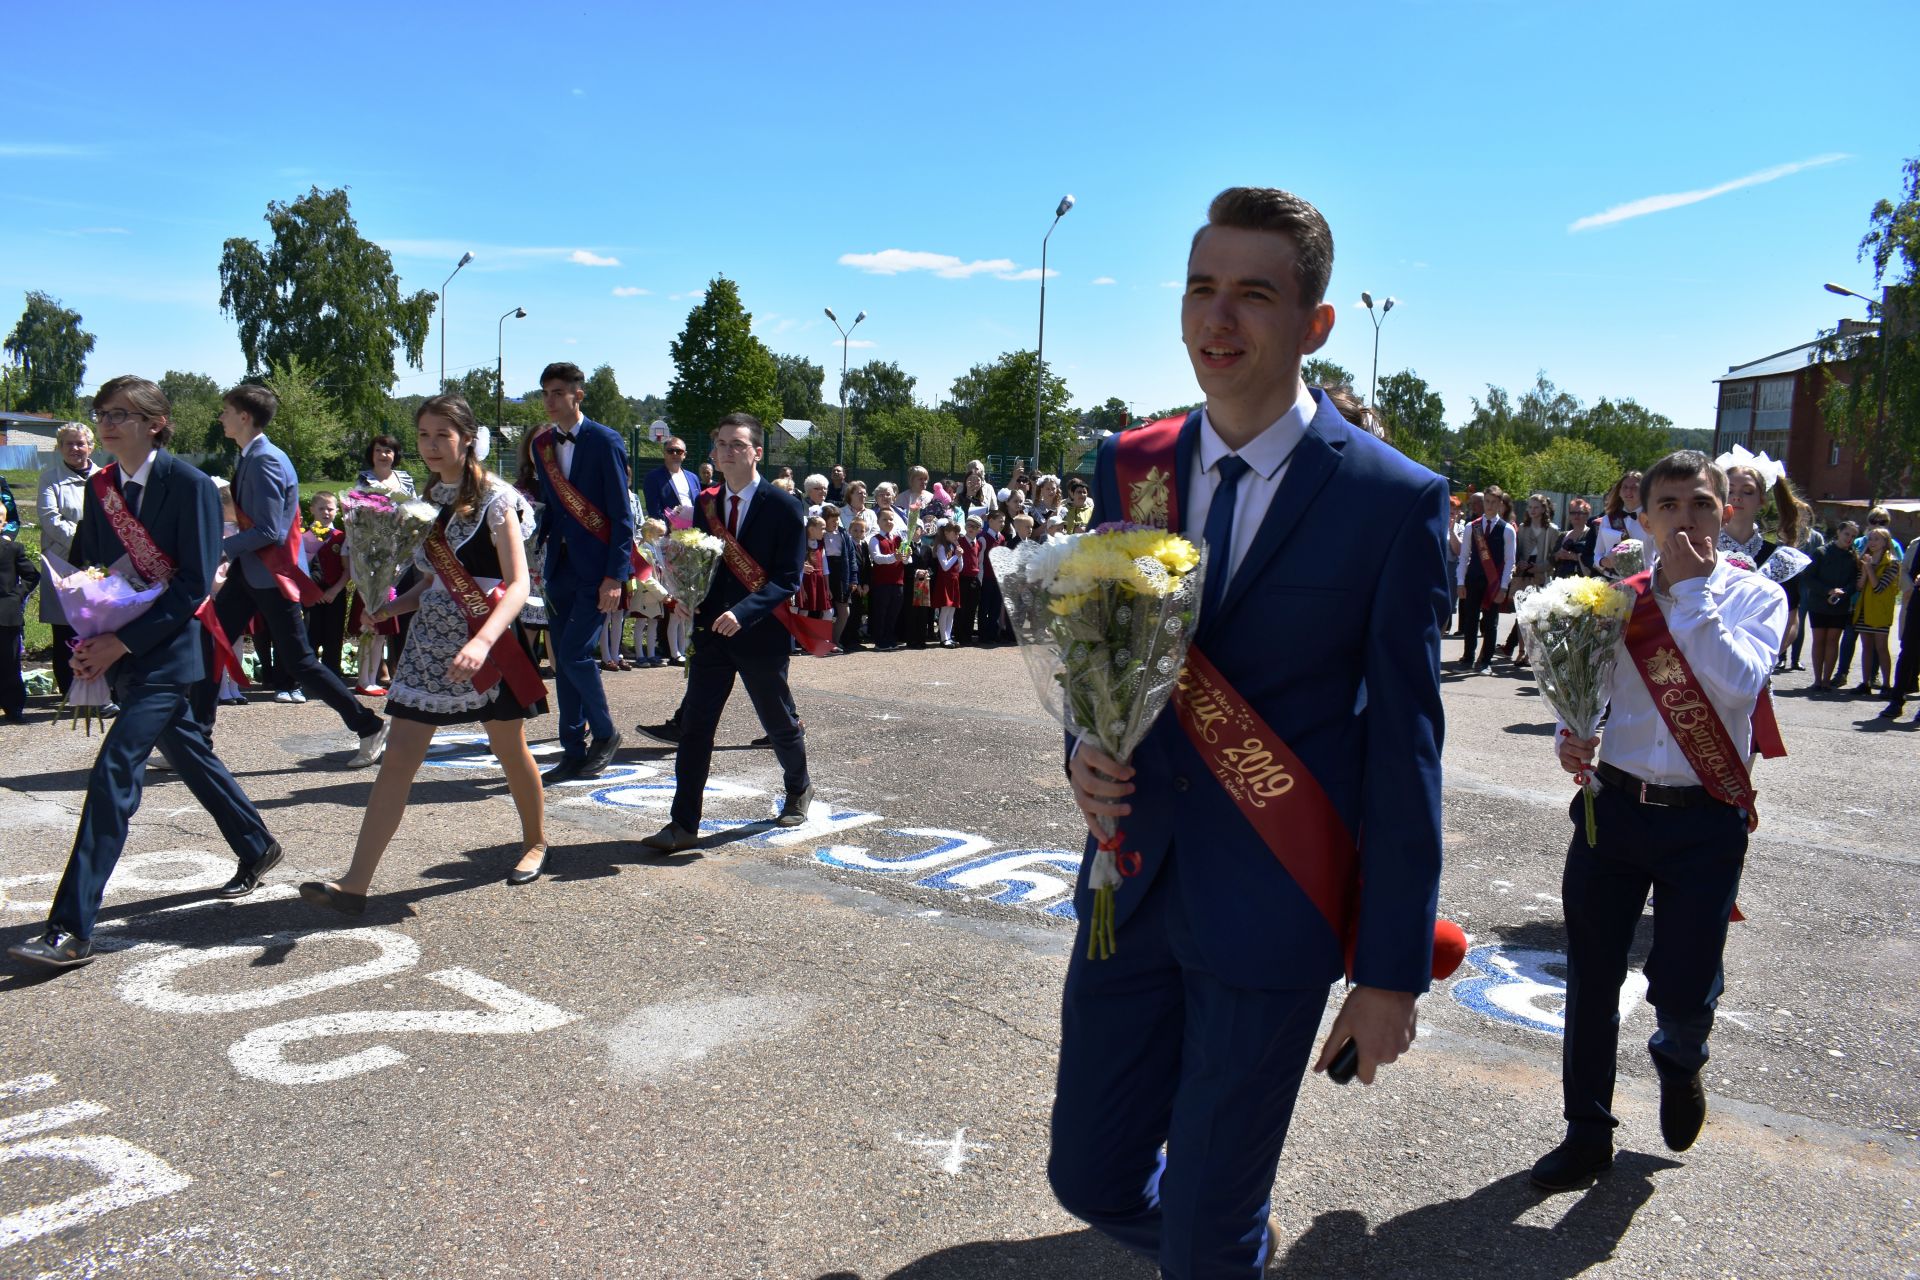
point(828, 1052)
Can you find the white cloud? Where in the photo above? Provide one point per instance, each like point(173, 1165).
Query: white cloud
point(1171, 284)
point(579, 93)
point(43, 150)
point(1105, 280)
point(1031, 273)
point(893, 262)
point(697, 295)
point(1679, 199)
point(493, 257)
point(630, 291)
point(95, 231)
point(573, 342)
point(589, 259)
point(856, 343)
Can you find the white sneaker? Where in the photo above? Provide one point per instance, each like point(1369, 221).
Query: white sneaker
point(285, 695)
point(298, 696)
point(371, 747)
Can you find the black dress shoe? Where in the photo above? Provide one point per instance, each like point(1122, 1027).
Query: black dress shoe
point(1573, 1163)
point(764, 740)
point(667, 731)
point(1683, 1108)
point(56, 949)
point(517, 876)
point(247, 878)
point(325, 895)
point(569, 768)
point(672, 838)
point(600, 754)
point(794, 812)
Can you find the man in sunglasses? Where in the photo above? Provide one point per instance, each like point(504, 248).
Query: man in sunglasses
point(669, 488)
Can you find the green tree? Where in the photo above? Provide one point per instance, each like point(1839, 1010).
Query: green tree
point(50, 350)
point(1415, 416)
point(1111, 416)
point(479, 388)
point(900, 437)
point(878, 386)
point(995, 402)
point(604, 403)
point(1321, 372)
point(308, 423)
point(720, 367)
point(1873, 402)
point(1542, 412)
point(196, 412)
point(798, 380)
point(1500, 462)
point(1572, 466)
point(327, 295)
point(1633, 435)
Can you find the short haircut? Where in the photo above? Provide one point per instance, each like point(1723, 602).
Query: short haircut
point(566, 371)
point(383, 442)
point(73, 429)
point(1878, 516)
point(1684, 465)
point(828, 509)
point(747, 420)
point(257, 402)
point(144, 396)
point(1271, 209)
point(815, 479)
point(653, 528)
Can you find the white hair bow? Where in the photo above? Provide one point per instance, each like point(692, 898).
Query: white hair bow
point(482, 442)
point(1770, 471)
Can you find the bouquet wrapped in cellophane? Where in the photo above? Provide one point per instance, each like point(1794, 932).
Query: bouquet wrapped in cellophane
point(687, 560)
point(1103, 620)
point(1571, 628)
point(1628, 557)
point(384, 528)
point(97, 603)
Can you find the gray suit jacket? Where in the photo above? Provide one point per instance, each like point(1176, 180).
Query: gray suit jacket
point(266, 488)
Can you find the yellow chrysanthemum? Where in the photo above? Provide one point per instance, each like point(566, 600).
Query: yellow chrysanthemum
point(1067, 606)
point(1176, 553)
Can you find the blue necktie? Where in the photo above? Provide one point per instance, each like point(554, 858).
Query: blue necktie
point(131, 493)
point(1218, 534)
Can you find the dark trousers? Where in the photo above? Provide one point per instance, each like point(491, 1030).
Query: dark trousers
point(63, 637)
point(884, 622)
point(150, 715)
point(13, 689)
point(574, 624)
point(856, 616)
point(992, 604)
point(1690, 859)
point(1474, 619)
point(710, 674)
point(916, 623)
point(327, 630)
point(1157, 1051)
point(294, 663)
point(968, 611)
point(1849, 641)
point(1906, 667)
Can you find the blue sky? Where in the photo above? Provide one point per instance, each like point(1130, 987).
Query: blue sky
point(603, 166)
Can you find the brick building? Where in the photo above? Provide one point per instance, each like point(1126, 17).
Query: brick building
point(1772, 405)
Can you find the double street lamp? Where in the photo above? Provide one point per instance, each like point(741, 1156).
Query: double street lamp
point(846, 337)
point(465, 258)
point(1379, 317)
point(500, 367)
point(1040, 347)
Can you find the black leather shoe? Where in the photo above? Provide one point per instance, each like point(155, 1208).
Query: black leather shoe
point(247, 878)
point(1893, 710)
point(764, 740)
point(667, 731)
point(794, 811)
point(517, 876)
point(1683, 1108)
point(1573, 1163)
point(672, 838)
point(569, 768)
point(600, 755)
point(56, 949)
point(325, 895)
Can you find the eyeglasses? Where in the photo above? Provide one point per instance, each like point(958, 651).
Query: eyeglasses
point(675, 452)
point(732, 446)
point(117, 417)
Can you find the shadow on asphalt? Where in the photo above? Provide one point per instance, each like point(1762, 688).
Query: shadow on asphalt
point(1533, 730)
point(1551, 935)
point(1075, 1256)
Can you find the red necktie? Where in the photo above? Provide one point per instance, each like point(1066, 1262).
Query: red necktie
point(733, 517)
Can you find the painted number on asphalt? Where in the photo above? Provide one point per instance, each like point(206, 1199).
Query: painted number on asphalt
point(1527, 987)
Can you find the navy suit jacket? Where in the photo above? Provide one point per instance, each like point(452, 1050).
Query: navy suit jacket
point(774, 533)
point(181, 509)
point(599, 472)
point(266, 488)
point(657, 491)
point(1330, 630)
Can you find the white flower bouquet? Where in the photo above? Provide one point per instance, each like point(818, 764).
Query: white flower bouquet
point(1571, 628)
point(687, 561)
point(1104, 619)
point(383, 530)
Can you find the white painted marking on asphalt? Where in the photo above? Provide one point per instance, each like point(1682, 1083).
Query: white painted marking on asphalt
point(149, 984)
point(259, 1055)
point(133, 1176)
point(661, 1039)
point(950, 846)
point(207, 871)
point(28, 1084)
point(957, 1148)
point(47, 1119)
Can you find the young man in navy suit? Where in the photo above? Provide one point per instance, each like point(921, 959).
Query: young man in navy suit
point(738, 634)
point(266, 578)
point(581, 467)
point(1183, 1051)
point(162, 517)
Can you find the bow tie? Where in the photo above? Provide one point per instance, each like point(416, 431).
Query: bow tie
point(566, 437)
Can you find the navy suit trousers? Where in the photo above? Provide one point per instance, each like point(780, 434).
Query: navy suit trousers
point(574, 626)
point(1155, 1050)
point(150, 715)
point(710, 674)
point(236, 606)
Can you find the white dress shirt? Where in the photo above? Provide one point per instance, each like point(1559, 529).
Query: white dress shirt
point(727, 495)
point(1728, 625)
point(1609, 537)
point(1266, 455)
point(563, 449)
point(1470, 552)
point(682, 485)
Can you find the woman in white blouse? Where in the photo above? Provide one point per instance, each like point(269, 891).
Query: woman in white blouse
point(1622, 520)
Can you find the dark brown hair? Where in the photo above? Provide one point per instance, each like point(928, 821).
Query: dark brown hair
point(145, 397)
point(747, 420)
point(1682, 464)
point(257, 402)
point(473, 477)
point(566, 372)
point(1786, 503)
point(1271, 209)
point(384, 441)
point(1357, 413)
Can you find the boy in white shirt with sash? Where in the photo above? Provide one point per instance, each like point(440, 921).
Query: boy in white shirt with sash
point(1689, 705)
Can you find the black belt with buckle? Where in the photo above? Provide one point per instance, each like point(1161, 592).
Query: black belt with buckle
point(1649, 793)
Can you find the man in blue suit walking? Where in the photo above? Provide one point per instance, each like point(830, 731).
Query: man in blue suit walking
point(582, 471)
point(1327, 586)
point(162, 517)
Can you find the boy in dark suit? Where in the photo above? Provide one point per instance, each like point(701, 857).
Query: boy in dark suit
point(162, 516)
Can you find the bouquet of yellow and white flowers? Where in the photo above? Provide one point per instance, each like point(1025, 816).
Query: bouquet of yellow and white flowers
point(1571, 628)
point(384, 528)
point(1104, 619)
point(687, 560)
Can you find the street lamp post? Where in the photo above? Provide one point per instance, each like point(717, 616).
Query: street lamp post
point(465, 258)
point(846, 337)
point(1379, 318)
point(1040, 347)
point(500, 367)
point(1886, 346)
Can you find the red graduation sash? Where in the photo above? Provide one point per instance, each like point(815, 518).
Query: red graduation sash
point(507, 660)
point(1487, 568)
point(282, 561)
point(156, 565)
point(590, 517)
point(814, 634)
point(1273, 790)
